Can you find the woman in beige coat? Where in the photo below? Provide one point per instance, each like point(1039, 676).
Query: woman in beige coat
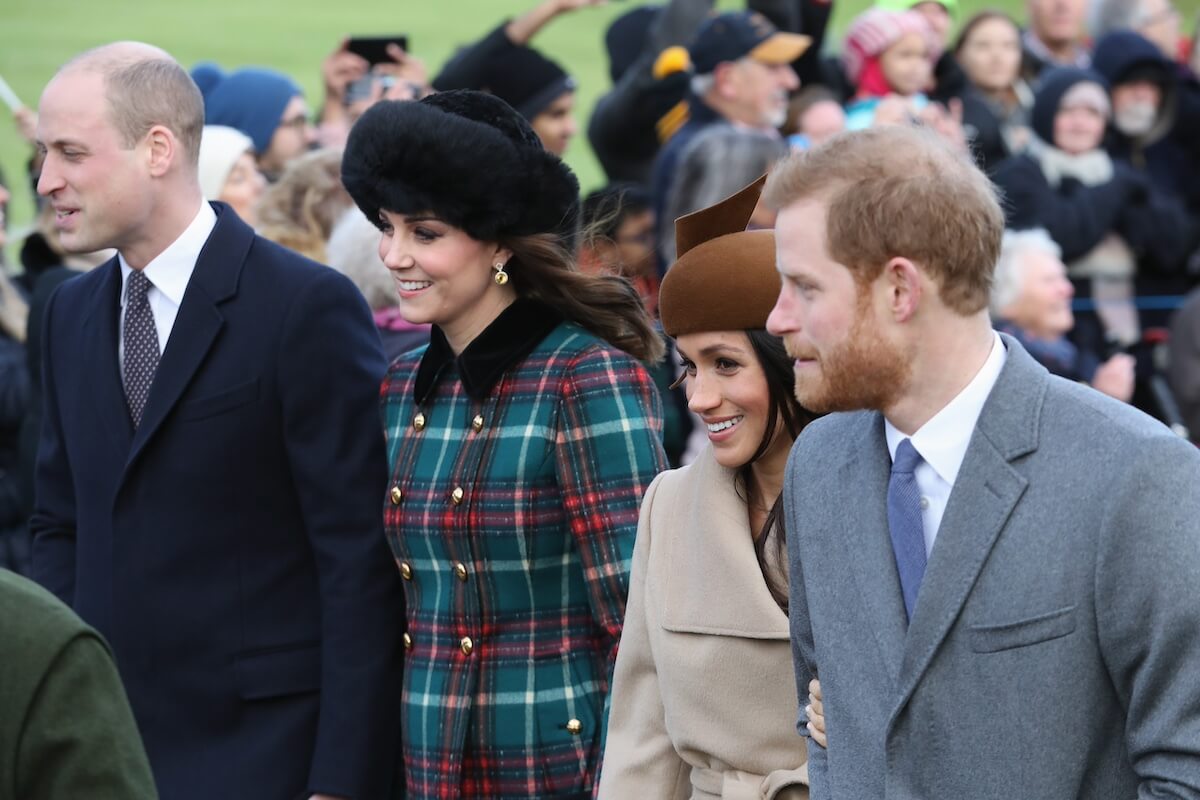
point(704, 698)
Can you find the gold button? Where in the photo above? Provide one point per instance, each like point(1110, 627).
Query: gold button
point(460, 569)
point(396, 495)
point(406, 571)
point(407, 641)
point(574, 727)
point(419, 422)
point(477, 423)
point(467, 645)
point(457, 495)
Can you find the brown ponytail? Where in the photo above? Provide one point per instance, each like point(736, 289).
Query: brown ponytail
point(607, 305)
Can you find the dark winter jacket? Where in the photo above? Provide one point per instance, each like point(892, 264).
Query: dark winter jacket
point(14, 399)
point(1078, 215)
point(1166, 156)
point(623, 129)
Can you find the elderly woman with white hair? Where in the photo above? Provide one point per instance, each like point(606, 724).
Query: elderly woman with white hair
point(228, 172)
point(1115, 228)
point(1031, 301)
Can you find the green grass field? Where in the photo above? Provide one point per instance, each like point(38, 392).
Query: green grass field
point(294, 35)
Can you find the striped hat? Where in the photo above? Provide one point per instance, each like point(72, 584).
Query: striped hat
point(875, 30)
point(905, 5)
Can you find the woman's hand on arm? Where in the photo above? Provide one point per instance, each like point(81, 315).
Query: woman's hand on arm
point(816, 713)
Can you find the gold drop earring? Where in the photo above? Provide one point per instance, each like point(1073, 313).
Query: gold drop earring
point(501, 277)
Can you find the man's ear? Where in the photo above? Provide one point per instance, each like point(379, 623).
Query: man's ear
point(904, 284)
point(163, 150)
point(723, 79)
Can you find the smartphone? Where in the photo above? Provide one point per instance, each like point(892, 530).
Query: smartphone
point(374, 48)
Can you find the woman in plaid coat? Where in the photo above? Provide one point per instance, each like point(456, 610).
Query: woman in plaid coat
point(521, 441)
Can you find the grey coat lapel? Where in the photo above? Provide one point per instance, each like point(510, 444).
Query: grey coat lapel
point(863, 483)
point(987, 489)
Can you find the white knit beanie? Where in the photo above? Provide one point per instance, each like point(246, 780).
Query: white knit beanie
point(220, 148)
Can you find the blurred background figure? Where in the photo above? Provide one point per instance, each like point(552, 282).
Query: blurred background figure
point(742, 75)
point(619, 239)
point(1110, 220)
point(948, 78)
point(46, 264)
point(228, 172)
point(619, 231)
point(1031, 301)
point(997, 100)
point(889, 56)
point(352, 85)
point(1156, 20)
point(1185, 362)
point(14, 399)
point(718, 162)
point(264, 104)
point(648, 66)
point(1056, 36)
point(814, 115)
point(1156, 114)
point(299, 210)
point(353, 250)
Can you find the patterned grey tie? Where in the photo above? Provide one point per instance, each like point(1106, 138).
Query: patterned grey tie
point(904, 523)
point(141, 344)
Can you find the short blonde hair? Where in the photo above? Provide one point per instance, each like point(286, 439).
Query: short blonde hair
point(900, 192)
point(145, 87)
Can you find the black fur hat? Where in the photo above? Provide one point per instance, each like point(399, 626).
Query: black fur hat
point(466, 157)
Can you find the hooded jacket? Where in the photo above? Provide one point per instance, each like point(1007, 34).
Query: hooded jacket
point(1162, 153)
point(1079, 214)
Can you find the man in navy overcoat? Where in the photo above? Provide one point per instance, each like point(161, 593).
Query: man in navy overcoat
point(211, 469)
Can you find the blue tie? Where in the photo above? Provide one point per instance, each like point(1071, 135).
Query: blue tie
point(904, 523)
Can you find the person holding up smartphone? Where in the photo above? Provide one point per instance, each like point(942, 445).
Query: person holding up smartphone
point(361, 72)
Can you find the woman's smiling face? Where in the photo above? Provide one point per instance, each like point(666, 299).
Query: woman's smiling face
point(442, 275)
point(727, 388)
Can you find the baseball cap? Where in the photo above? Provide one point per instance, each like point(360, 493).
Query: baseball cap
point(743, 34)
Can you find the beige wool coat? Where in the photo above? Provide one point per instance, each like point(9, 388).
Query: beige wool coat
point(704, 698)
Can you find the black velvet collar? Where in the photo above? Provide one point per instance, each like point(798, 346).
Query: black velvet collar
point(509, 338)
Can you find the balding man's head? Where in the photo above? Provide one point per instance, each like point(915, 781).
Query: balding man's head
point(145, 87)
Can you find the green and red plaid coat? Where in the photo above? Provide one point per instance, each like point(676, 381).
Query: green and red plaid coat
point(518, 470)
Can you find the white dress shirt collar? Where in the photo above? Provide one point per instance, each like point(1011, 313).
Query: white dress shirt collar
point(171, 269)
point(942, 441)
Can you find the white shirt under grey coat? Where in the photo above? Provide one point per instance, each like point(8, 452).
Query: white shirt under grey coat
point(942, 441)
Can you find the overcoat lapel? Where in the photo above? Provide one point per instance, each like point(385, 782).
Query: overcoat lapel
point(715, 585)
point(100, 358)
point(863, 484)
point(199, 321)
point(985, 493)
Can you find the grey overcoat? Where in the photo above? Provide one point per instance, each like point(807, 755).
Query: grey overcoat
point(1055, 648)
